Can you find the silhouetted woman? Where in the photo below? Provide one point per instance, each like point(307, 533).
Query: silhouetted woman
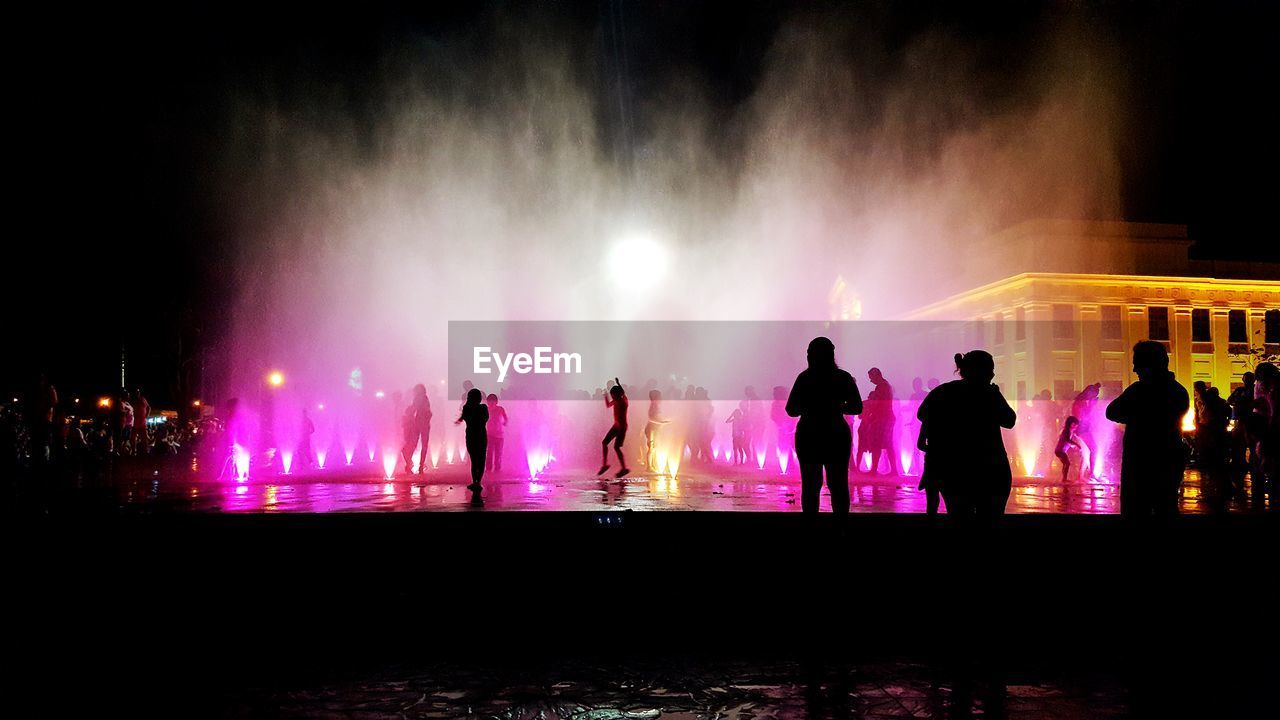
point(821, 396)
point(476, 416)
point(960, 422)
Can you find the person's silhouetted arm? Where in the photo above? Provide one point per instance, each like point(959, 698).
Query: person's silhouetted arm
point(853, 405)
point(1120, 409)
point(796, 401)
point(922, 440)
point(1005, 415)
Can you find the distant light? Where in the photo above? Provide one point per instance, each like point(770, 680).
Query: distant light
point(379, 394)
point(275, 379)
point(103, 402)
point(320, 406)
point(639, 261)
point(76, 401)
point(195, 403)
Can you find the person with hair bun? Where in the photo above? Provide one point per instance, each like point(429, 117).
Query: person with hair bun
point(821, 396)
point(960, 424)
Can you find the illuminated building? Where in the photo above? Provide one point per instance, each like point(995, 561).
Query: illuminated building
point(1085, 292)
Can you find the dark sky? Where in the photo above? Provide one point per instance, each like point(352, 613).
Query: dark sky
point(119, 110)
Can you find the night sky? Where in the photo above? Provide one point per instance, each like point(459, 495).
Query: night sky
point(118, 114)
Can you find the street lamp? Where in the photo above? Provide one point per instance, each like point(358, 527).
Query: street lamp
point(275, 379)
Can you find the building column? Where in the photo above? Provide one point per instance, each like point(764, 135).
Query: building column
point(1180, 334)
point(1220, 327)
point(1136, 329)
point(1089, 344)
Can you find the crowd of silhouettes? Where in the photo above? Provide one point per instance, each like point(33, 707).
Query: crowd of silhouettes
point(959, 453)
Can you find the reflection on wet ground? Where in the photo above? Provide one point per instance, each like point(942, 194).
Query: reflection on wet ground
point(365, 489)
point(640, 691)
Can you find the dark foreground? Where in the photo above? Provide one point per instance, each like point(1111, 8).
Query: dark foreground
point(589, 615)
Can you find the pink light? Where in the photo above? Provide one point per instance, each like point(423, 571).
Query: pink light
point(373, 451)
point(783, 457)
point(350, 452)
point(905, 457)
point(435, 457)
point(286, 460)
point(715, 452)
point(536, 488)
point(242, 463)
point(389, 464)
point(760, 458)
point(448, 454)
point(320, 458)
point(243, 489)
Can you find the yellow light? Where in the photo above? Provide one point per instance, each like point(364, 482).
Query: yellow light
point(104, 402)
point(275, 379)
point(195, 403)
point(1189, 421)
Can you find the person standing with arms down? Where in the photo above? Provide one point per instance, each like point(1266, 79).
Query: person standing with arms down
point(616, 399)
point(497, 433)
point(1153, 457)
point(476, 416)
point(821, 396)
point(416, 424)
point(960, 424)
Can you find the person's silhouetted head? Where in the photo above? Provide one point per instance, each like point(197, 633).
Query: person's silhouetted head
point(1267, 376)
point(976, 366)
point(655, 395)
point(875, 376)
point(822, 354)
point(1200, 386)
point(1149, 358)
point(492, 399)
point(1213, 393)
point(615, 391)
point(1247, 379)
point(419, 390)
point(1071, 423)
point(917, 384)
point(779, 393)
point(474, 396)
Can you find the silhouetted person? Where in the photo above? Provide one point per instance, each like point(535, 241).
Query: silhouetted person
point(417, 426)
point(497, 431)
point(1151, 410)
point(1066, 440)
point(785, 426)
point(964, 451)
point(1213, 448)
point(141, 409)
point(741, 440)
point(1265, 428)
point(875, 433)
point(1241, 402)
point(651, 428)
point(617, 400)
point(306, 458)
point(476, 416)
point(821, 396)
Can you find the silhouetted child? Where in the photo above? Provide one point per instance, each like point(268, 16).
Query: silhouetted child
point(655, 423)
point(741, 435)
point(476, 416)
point(1065, 441)
point(496, 430)
point(616, 399)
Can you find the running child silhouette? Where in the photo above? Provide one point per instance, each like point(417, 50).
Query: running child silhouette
point(616, 399)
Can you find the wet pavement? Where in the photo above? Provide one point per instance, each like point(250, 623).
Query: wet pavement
point(362, 488)
point(683, 690)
